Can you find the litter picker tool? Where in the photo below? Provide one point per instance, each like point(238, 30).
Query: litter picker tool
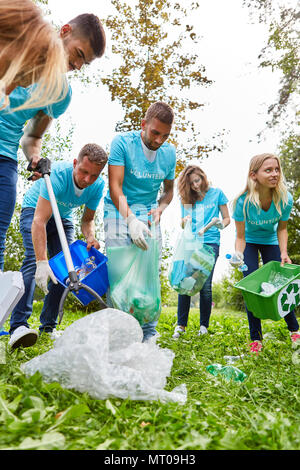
point(44, 167)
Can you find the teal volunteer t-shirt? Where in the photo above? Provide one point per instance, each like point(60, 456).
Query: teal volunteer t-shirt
point(142, 176)
point(67, 195)
point(12, 123)
point(261, 226)
point(202, 212)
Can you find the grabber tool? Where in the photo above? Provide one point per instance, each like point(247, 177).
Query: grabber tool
point(44, 167)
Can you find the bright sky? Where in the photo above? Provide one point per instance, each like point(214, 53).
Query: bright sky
point(236, 102)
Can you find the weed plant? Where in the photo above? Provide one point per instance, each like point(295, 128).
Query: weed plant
point(261, 413)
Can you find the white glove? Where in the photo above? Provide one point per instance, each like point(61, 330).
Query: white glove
point(137, 229)
point(237, 259)
point(218, 223)
point(43, 271)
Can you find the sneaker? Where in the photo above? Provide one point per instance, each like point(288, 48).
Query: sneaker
point(255, 347)
point(295, 336)
point(23, 336)
point(203, 330)
point(178, 331)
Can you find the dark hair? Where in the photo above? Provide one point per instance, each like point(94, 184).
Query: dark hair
point(89, 26)
point(161, 111)
point(94, 152)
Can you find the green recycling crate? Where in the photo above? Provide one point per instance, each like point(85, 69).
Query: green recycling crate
point(282, 301)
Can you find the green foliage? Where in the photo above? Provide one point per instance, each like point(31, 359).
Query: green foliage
point(232, 297)
point(14, 249)
point(281, 54)
point(262, 413)
point(289, 153)
point(148, 40)
point(56, 145)
point(166, 290)
point(218, 297)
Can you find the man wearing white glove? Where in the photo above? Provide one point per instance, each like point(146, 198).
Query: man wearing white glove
point(74, 184)
point(42, 273)
point(140, 163)
point(137, 230)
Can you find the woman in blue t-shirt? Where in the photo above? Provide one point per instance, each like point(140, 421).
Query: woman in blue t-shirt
point(200, 203)
point(261, 213)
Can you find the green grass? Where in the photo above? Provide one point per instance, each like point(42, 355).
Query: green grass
point(261, 413)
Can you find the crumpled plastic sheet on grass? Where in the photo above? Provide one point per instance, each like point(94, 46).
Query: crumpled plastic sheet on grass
point(103, 354)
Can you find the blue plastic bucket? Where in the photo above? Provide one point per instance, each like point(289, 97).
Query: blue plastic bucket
point(96, 279)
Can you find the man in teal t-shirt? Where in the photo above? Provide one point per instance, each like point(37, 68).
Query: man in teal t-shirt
point(84, 40)
point(74, 185)
point(140, 163)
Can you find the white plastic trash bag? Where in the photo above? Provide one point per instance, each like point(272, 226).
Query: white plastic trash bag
point(103, 354)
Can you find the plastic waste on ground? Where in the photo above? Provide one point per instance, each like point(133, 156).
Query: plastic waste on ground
point(103, 354)
point(11, 290)
point(191, 264)
point(228, 372)
point(3, 332)
point(275, 282)
point(243, 267)
point(134, 279)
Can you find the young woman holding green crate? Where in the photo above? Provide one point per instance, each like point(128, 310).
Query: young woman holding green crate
point(261, 212)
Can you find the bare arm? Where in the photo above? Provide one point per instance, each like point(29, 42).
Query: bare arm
point(282, 235)
point(88, 228)
point(31, 141)
point(116, 178)
point(240, 242)
point(42, 214)
point(225, 215)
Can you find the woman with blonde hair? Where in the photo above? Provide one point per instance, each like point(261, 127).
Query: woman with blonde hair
point(25, 120)
point(261, 213)
point(30, 52)
point(200, 203)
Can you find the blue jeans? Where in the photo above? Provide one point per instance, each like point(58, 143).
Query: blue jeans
point(23, 309)
point(116, 234)
point(8, 192)
point(268, 253)
point(184, 301)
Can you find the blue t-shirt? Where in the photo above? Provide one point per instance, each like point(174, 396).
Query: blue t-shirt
point(12, 123)
point(202, 212)
point(260, 225)
point(142, 178)
point(66, 194)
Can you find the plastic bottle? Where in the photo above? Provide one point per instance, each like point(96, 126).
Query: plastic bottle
point(267, 288)
point(89, 264)
point(277, 280)
point(232, 359)
point(229, 372)
point(242, 267)
point(86, 267)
